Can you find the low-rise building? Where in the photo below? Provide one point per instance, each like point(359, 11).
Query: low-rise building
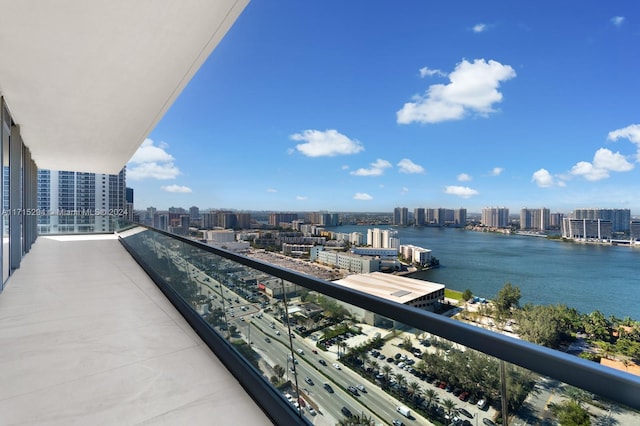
point(409, 291)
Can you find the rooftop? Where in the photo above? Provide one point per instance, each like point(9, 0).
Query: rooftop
point(391, 287)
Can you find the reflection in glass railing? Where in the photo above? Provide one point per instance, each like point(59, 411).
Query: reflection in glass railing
point(338, 363)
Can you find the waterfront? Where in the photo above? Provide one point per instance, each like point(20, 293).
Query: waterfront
point(587, 277)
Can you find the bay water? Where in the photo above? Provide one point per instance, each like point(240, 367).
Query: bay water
point(587, 277)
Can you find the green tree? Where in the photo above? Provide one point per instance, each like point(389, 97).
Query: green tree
point(449, 405)
point(467, 295)
point(508, 297)
point(570, 413)
point(431, 396)
point(542, 325)
point(414, 389)
point(279, 370)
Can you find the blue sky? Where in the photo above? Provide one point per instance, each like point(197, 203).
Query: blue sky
point(364, 106)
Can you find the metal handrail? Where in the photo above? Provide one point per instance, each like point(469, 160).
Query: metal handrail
point(618, 386)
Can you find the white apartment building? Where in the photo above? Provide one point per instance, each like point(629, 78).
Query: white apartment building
point(73, 202)
point(382, 238)
point(416, 254)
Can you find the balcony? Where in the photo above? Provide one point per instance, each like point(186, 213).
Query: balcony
point(89, 337)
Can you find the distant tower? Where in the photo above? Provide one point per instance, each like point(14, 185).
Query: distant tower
point(401, 216)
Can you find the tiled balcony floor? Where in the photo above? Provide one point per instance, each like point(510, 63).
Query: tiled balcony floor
point(86, 338)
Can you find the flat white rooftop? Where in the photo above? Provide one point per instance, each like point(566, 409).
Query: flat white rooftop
point(391, 287)
point(87, 338)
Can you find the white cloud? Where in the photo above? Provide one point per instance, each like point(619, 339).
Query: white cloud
point(162, 171)
point(152, 161)
point(617, 20)
point(362, 196)
point(408, 166)
point(404, 190)
point(345, 167)
point(473, 88)
point(542, 178)
point(604, 161)
point(461, 191)
point(377, 169)
point(301, 198)
point(463, 177)
point(497, 171)
point(176, 188)
point(325, 144)
point(150, 153)
point(479, 28)
point(427, 72)
point(271, 190)
point(631, 132)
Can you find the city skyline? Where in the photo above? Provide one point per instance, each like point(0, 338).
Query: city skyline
point(350, 108)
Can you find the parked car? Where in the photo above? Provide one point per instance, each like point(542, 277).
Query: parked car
point(482, 403)
point(465, 413)
point(488, 422)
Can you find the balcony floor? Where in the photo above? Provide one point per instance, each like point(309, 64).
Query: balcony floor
point(87, 338)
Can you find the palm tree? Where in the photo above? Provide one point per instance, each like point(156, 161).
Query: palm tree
point(431, 396)
point(449, 405)
point(400, 380)
point(386, 370)
point(414, 389)
point(375, 365)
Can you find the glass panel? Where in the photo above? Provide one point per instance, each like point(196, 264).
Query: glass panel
point(5, 203)
point(332, 360)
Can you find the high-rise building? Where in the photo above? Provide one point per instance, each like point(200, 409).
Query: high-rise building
point(401, 216)
point(460, 217)
point(535, 219)
point(276, 219)
point(495, 217)
point(418, 217)
point(80, 202)
point(620, 218)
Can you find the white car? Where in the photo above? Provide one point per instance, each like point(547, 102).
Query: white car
point(336, 366)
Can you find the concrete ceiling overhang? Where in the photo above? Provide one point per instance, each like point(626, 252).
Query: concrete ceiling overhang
point(86, 81)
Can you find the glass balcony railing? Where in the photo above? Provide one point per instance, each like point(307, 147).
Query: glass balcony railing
point(308, 350)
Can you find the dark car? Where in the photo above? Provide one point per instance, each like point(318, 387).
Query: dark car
point(323, 362)
point(465, 413)
point(488, 422)
point(353, 390)
point(346, 412)
point(328, 387)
